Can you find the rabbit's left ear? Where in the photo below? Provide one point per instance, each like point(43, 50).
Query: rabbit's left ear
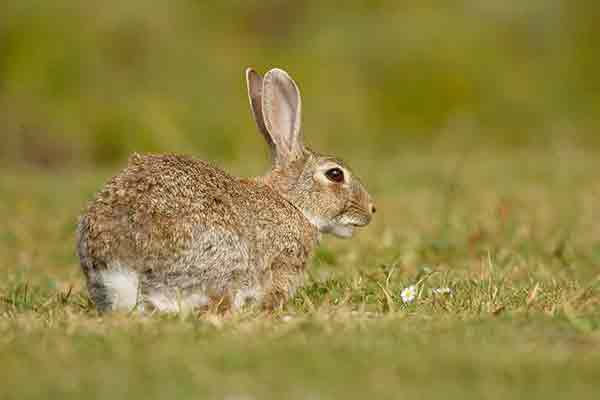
point(254, 82)
point(282, 110)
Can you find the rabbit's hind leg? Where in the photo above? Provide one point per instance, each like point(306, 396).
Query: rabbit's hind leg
point(113, 288)
point(112, 285)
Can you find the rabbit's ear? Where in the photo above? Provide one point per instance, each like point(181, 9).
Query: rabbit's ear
point(281, 107)
point(254, 82)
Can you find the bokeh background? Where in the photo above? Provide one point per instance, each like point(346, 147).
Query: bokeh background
point(86, 83)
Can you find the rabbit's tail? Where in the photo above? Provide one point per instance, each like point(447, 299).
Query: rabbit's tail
point(112, 286)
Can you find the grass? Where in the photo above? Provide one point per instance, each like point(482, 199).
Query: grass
point(515, 236)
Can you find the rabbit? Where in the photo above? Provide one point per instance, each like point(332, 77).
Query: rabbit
point(171, 233)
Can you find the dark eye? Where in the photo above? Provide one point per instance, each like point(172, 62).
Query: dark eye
point(335, 175)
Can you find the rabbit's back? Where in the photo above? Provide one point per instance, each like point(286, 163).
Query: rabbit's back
point(178, 222)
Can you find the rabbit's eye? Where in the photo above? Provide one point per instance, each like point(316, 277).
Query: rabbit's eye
point(335, 175)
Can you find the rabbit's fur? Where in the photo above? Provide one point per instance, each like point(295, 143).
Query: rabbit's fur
point(174, 233)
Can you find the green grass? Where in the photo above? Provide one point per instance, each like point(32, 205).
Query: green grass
point(514, 235)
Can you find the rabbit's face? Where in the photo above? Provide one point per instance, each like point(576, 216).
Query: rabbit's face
point(331, 196)
point(322, 187)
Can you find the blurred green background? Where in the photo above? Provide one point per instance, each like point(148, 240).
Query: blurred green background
point(86, 83)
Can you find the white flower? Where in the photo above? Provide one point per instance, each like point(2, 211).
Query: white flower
point(441, 290)
point(408, 294)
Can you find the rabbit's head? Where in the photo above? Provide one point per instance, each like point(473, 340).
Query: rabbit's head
point(324, 188)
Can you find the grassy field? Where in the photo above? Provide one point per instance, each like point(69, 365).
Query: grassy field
point(513, 235)
point(474, 125)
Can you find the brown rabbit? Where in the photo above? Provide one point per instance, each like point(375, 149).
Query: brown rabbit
point(172, 233)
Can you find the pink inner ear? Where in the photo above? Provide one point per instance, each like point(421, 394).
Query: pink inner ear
point(281, 109)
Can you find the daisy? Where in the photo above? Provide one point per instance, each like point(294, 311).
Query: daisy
point(408, 294)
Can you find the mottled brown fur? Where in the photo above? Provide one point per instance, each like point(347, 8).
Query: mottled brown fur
point(187, 228)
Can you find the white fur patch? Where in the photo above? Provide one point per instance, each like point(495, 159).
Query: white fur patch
point(324, 226)
point(193, 301)
point(122, 287)
point(175, 304)
point(316, 221)
point(245, 296)
point(343, 231)
point(163, 303)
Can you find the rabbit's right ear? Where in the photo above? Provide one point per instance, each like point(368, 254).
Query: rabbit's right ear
point(281, 108)
point(254, 82)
